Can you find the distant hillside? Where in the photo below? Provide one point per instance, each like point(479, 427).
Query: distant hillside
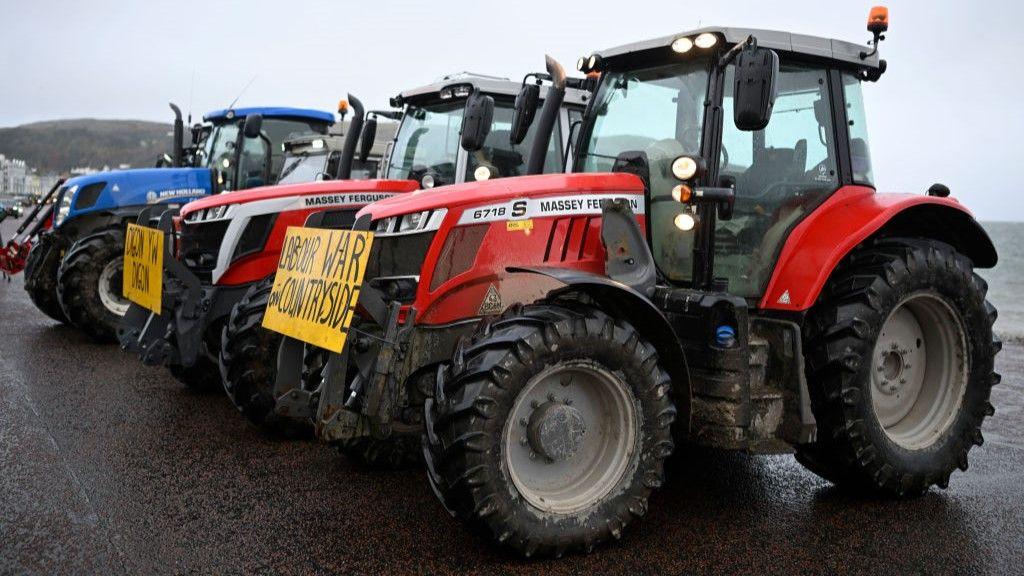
point(59, 145)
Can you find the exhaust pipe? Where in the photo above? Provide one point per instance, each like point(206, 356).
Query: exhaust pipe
point(548, 116)
point(355, 128)
point(179, 137)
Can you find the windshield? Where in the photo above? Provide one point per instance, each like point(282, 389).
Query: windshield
point(428, 139)
point(246, 169)
point(304, 168)
point(658, 111)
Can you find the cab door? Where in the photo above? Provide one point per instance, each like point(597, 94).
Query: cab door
point(780, 173)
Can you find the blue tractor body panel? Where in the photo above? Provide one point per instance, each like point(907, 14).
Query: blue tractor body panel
point(141, 187)
point(270, 112)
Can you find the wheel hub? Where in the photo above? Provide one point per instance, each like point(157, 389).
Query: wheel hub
point(556, 431)
point(571, 436)
point(918, 371)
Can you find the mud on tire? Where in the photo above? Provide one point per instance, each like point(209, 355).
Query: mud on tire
point(862, 445)
point(471, 431)
point(90, 262)
point(41, 277)
point(248, 356)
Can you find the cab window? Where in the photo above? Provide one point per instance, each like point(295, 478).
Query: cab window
point(860, 155)
point(780, 173)
point(502, 158)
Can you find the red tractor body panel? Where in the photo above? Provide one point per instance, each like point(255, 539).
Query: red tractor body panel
point(292, 205)
point(545, 220)
point(304, 189)
point(820, 242)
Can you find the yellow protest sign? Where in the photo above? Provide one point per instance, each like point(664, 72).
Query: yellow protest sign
point(317, 284)
point(143, 266)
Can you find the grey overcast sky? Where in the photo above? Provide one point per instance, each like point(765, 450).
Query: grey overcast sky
point(948, 110)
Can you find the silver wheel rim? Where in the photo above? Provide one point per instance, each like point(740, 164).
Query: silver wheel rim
point(110, 287)
point(919, 371)
point(571, 436)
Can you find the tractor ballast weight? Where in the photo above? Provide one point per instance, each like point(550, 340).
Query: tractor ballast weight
point(797, 308)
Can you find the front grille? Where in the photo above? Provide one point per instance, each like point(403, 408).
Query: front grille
point(200, 243)
point(398, 255)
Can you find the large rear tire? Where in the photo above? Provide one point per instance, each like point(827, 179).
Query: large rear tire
point(551, 430)
point(41, 268)
point(89, 284)
point(900, 356)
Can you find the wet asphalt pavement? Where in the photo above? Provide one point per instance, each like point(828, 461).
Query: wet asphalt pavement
point(110, 467)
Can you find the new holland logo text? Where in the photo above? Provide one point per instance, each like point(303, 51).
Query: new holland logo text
point(161, 195)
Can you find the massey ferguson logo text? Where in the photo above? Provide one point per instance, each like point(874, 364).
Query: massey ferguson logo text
point(340, 199)
point(542, 207)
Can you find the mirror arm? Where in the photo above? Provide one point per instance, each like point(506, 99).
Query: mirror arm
point(729, 56)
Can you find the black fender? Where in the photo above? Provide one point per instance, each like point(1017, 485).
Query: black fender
point(939, 222)
point(624, 302)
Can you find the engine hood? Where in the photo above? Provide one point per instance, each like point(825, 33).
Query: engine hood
point(327, 187)
point(469, 193)
point(123, 188)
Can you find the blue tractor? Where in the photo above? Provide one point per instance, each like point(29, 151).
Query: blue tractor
point(73, 272)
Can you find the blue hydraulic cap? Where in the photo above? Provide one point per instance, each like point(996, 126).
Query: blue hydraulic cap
point(725, 336)
point(271, 112)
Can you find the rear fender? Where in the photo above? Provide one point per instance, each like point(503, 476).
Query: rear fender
point(624, 302)
point(853, 215)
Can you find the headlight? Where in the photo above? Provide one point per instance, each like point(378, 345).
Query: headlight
point(682, 45)
point(685, 167)
point(410, 223)
point(209, 214)
point(482, 173)
point(65, 204)
point(706, 40)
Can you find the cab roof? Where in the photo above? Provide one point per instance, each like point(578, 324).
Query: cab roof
point(492, 85)
point(271, 112)
point(839, 50)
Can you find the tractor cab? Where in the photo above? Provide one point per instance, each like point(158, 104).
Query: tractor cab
point(432, 147)
point(318, 157)
point(244, 146)
point(677, 111)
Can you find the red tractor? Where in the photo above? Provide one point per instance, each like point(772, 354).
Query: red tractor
point(718, 262)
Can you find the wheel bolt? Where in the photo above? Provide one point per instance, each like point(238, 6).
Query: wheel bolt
point(523, 441)
point(524, 422)
point(551, 397)
point(533, 455)
point(534, 404)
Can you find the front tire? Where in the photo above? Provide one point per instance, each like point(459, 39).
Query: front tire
point(551, 431)
point(900, 356)
point(89, 284)
point(248, 356)
point(41, 268)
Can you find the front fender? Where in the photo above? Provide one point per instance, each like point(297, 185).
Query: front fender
point(855, 214)
point(624, 302)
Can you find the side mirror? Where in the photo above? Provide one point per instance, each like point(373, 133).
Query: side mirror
point(525, 110)
point(253, 125)
point(366, 138)
point(476, 122)
point(755, 89)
